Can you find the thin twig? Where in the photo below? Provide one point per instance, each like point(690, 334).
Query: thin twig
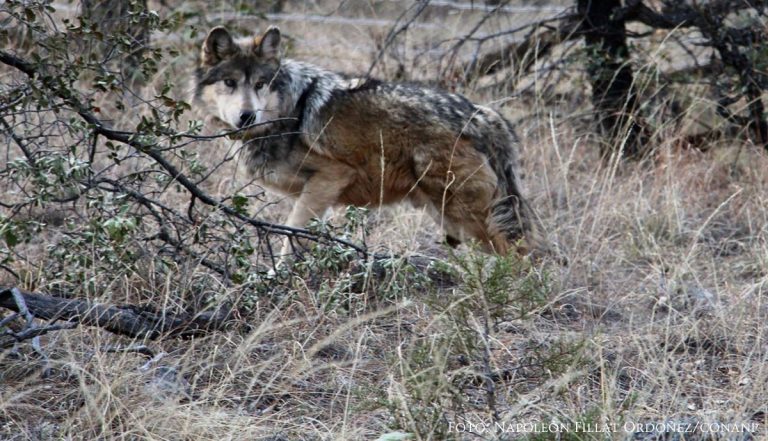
point(395, 31)
point(139, 349)
point(23, 310)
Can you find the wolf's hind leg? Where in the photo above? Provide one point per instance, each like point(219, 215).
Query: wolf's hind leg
point(463, 218)
point(463, 206)
point(476, 226)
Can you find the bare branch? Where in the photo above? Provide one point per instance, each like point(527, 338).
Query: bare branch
point(395, 31)
point(522, 55)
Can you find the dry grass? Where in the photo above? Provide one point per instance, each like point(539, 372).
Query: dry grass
point(658, 317)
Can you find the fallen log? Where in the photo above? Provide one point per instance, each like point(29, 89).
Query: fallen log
point(129, 320)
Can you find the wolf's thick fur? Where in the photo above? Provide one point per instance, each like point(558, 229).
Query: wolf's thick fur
point(340, 141)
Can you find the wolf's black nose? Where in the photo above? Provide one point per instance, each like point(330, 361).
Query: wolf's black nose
point(247, 117)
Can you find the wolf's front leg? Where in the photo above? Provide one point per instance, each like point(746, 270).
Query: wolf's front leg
point(320, 192)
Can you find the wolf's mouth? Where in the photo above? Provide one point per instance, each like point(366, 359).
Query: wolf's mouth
point(222, 127)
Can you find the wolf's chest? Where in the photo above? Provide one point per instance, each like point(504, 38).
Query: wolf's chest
point(275, 161)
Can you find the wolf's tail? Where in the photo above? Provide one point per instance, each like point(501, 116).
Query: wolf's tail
point(511, 214)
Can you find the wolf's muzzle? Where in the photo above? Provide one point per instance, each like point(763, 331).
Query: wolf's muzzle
point(247, 118)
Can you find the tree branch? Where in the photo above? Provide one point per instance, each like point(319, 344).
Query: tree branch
point(148, 149)
point(543, 39)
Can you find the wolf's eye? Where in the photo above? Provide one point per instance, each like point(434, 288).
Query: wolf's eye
point(230, 83)
point(259, 85)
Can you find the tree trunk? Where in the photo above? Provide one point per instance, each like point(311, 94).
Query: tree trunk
point(611, 76)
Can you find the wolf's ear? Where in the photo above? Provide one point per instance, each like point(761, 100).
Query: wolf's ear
point(269, 45)
point(218, 45)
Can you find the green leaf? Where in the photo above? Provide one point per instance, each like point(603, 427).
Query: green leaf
point(240, 203)
point(10, 237)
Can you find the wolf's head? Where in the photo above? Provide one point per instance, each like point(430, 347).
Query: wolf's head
point(236, 79)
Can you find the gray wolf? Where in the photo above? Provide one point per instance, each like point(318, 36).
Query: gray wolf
point(327, 139)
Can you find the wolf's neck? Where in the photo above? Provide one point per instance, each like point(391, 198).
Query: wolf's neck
point(308, 85)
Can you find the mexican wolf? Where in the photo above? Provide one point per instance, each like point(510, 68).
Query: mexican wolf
point(327, 139)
